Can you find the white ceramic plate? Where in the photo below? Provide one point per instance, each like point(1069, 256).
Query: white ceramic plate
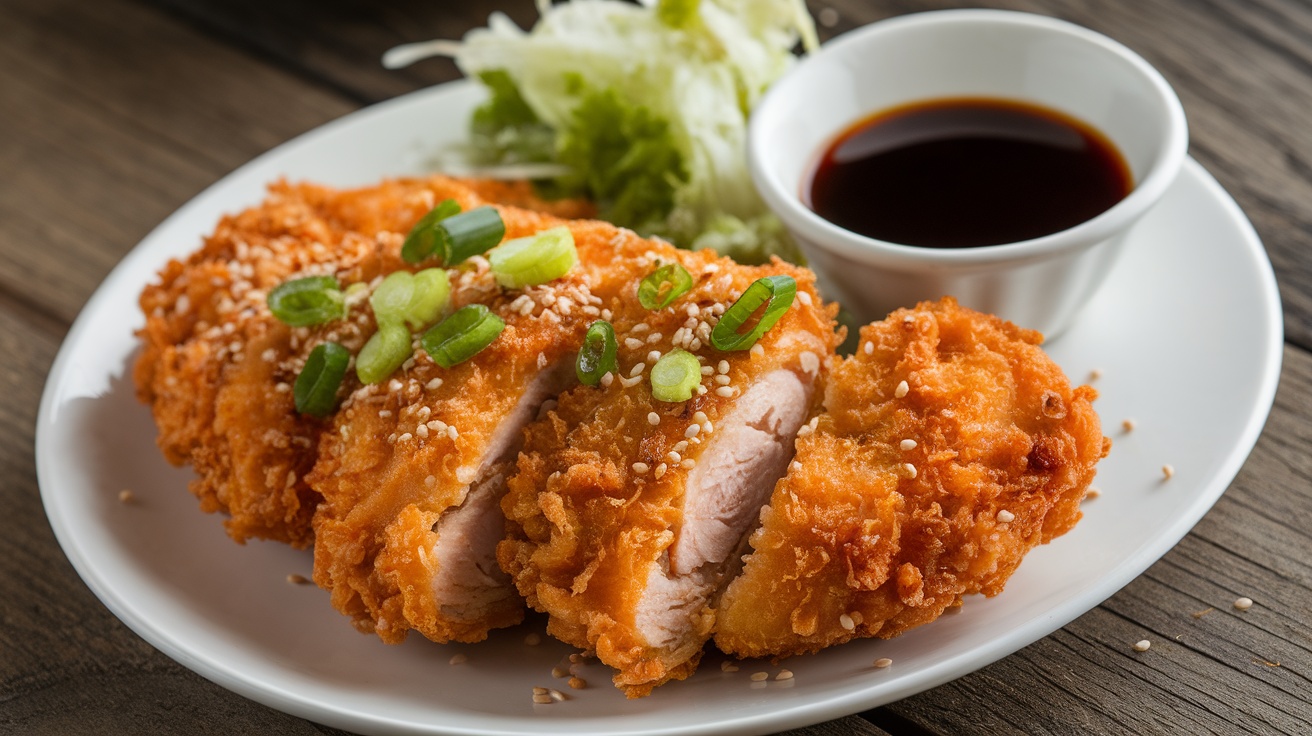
point(1187, 333)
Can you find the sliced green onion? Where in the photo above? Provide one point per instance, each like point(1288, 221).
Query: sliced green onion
point(536, 259)
point(776, 293)
point(462, 335)
point(424, 237)
point(392, 298)
point(471, 233)
point(663, 286)
point(309, 301)
point(385, 351)
point(431, 296)
point(675, 376)
point(315, 392)
point(597, 356)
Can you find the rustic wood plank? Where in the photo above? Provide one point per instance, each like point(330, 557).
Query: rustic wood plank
point(1211, 667)
point(849, 726)
point(114, 117)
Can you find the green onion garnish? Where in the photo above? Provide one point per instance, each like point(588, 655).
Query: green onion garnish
point(424, 237)
point(663, 286)
point(536, 259)
point(462, 335)
point(315, 391)
point(472, 233)
point(309, 301)
point(385, 351)
point(391, 300)
point(431, 296)
point(597, 356)
point(776, 293)
point(675, 376)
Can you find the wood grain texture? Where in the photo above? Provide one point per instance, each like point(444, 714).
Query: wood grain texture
point(117, 112)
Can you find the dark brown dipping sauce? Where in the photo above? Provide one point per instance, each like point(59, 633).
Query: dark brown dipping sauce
point(966, 172)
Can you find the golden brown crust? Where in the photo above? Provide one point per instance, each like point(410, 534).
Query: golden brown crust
point(585, 529)
point(855, 543)
point(219, 403)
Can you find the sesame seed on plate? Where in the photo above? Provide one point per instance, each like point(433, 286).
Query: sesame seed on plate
point(785, 674)
point(1128, 425)
point(297, 579)
point(460, 658)
point(727, 666)
point(533, 639)
point(1092, 493)
point(126, 496)
point(1168, 471)
point(577, 683)
point(559, 671)
point(760, 676)
point(883, 663)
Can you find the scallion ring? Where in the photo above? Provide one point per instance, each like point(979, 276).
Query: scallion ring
point(775, 293)
point(424, 237)
point(462, 335)
point(391, 300)
point(431, 296)
point(597, 356)
point(662, 286)
point(675, 376)
point(471, 233)
point(384, 352)
point(309, 301)
point(315, 391)
point(534, 260)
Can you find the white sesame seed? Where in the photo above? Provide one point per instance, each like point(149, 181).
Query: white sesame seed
point(459, 658)
point(707, 427)
point(607, 315)
point(660, 470)
point(701, 390)
point(1128, 425)
point(297, 579)
point(760, 676)
point(796, 467)
point(559, 671)
point(828, 17)
point(810, 363)
point(1006, 517)
point(631, 381)
point(707, 370)
point(126, 496)
point(688, 464)
point(673, 457)
point(437, 425)
point(723, 367)
point(632, 343)
point(722, 380)
point(653, 356)
point(1142, 645)
point(909, 470)
point(653, 418)
point(539, 691)
point(692, 431)
point(269, 355)
point(405, 437)
point(785, 674)
point(430, 481)
point(727, 666)
point(724, 392)
point(901, 390)
point(804, 431)
point(869, 348)
point(883, 663)
point(1243, 604)
point(700, 417)
point(542, 699)
point(607, 379)
point(384, 413)
point(757, 350)
point(422, 431)
point(846, 622)
point(654, 337)
point(434, 384)
point(640, 468)
point(695, 344)
point(1168, 471)
point(394, 385)
point(907, 444)
point(640, 327)
point(451, 432)
point(804, 298)
point(637, 369)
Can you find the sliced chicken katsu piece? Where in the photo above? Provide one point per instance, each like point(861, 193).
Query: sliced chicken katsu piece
point(628, 514)
point(950, 447)
point(413, 469)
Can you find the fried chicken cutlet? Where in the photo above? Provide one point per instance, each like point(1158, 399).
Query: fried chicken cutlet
point(413, 470)
point(949, 447)
point(628, 514)
point(216, 367)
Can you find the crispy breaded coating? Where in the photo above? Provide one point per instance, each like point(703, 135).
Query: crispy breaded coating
point(404, 458)
point(628, 514)
point(950, 446)
point(216, 367)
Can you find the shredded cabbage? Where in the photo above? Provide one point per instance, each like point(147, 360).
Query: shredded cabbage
point(645, 105)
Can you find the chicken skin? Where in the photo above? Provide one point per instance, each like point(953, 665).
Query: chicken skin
point(628, 514)
point(216, 368)
point(950, 446)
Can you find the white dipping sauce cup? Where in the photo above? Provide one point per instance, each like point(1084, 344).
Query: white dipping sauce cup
point(1040, 283)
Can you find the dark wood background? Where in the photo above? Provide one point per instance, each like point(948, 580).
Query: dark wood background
point(115, 112)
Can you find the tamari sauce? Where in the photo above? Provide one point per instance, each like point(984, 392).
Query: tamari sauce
point(966, 172)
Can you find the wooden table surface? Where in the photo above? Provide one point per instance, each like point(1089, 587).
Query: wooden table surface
point(116, 112)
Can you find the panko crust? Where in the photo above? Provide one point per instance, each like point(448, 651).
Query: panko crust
point(584, 528)
point(853, 535)
point(215, 366)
